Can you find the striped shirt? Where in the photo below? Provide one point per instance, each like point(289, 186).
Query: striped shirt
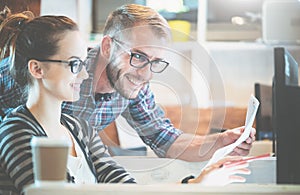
point(16, 167)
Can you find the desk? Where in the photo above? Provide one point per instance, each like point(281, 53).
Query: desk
point(149, 170)
point(166, 189)
point(159, 175)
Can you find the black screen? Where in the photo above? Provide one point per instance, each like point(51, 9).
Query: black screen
point(264, 129)
point(286, 117)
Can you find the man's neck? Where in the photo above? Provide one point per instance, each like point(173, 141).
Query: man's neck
point(101, 82)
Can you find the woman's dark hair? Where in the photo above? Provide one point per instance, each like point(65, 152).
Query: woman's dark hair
point(24, 37)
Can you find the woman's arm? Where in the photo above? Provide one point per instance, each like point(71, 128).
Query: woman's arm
point(107, 170)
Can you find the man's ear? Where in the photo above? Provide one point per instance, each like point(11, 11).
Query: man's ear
point(106, 44)
point(35, 69)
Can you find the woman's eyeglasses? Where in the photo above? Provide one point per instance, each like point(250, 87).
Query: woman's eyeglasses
point(139, 60)
point(76, 64)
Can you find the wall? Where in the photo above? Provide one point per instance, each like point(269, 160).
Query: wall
point(78, 10)
point(218, 73)
point(201, 74)
point(17, 6)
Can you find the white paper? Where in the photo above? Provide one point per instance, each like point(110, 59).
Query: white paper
point(251, 113)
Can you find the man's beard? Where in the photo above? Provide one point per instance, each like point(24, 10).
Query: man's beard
point(113, 75)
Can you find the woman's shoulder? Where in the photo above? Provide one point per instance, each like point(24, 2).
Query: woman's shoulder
point(76, 124)
point(20, 121)
point(20, 113)
point(72, 119)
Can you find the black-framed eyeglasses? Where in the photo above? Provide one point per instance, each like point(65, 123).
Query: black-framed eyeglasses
point(76, 64)
point(139, 60)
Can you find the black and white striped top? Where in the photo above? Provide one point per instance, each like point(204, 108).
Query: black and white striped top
point(16, 167)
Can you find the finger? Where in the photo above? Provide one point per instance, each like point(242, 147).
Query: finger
point(249, 140)
point(236, 165)
point(233, 153)
point(236, 178)
point(242, 171)
point(229, 159)
point(242, 129)
point(242, 150)
point(220, 163)
point(239, 152)
point(253, 132)
point(245, 146)
point(251, 137)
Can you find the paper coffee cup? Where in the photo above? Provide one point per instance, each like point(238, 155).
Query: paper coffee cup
point(50, 158)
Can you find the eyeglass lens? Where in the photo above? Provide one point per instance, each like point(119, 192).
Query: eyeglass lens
point(76, 65)
point(139, 61)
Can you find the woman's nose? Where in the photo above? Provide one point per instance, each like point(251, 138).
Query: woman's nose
point(83, 73)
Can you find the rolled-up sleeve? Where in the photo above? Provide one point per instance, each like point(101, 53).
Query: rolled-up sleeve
point(149, 120)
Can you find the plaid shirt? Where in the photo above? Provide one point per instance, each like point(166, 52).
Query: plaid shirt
point(11, 95)
point(142, 113)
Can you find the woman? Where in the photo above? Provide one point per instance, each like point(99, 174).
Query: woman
point(46, 55)
point(46, 59)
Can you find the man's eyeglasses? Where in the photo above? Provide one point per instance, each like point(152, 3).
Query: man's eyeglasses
point(76, 64)
point(139, 60)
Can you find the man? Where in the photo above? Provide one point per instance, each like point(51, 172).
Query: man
point(119, 73)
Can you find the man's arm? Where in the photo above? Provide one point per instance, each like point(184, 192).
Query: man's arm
point(148, 119)
point(191, 147)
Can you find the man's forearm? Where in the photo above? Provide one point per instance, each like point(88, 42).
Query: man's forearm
point(191, 147)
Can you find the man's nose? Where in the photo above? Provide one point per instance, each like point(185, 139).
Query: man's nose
point(145, 72)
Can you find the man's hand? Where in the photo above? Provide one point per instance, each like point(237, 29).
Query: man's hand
point(232, 135)
point(191, 147)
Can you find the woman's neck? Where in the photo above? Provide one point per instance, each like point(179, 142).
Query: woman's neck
point(48, 114)
point(44, 111)
point(47, 111)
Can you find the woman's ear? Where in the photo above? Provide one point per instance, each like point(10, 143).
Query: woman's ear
point(106, 46)
point(35, 69)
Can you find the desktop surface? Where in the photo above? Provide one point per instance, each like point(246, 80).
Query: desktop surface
point(154, 189)
point(161, 175)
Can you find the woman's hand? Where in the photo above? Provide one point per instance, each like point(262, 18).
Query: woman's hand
point(223, 172)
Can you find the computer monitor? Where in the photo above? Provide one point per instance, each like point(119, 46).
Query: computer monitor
point(286, 116)
point(264, 129)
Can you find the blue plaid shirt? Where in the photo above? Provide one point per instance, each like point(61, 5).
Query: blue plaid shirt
point(142, 113)
point(11, 94)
